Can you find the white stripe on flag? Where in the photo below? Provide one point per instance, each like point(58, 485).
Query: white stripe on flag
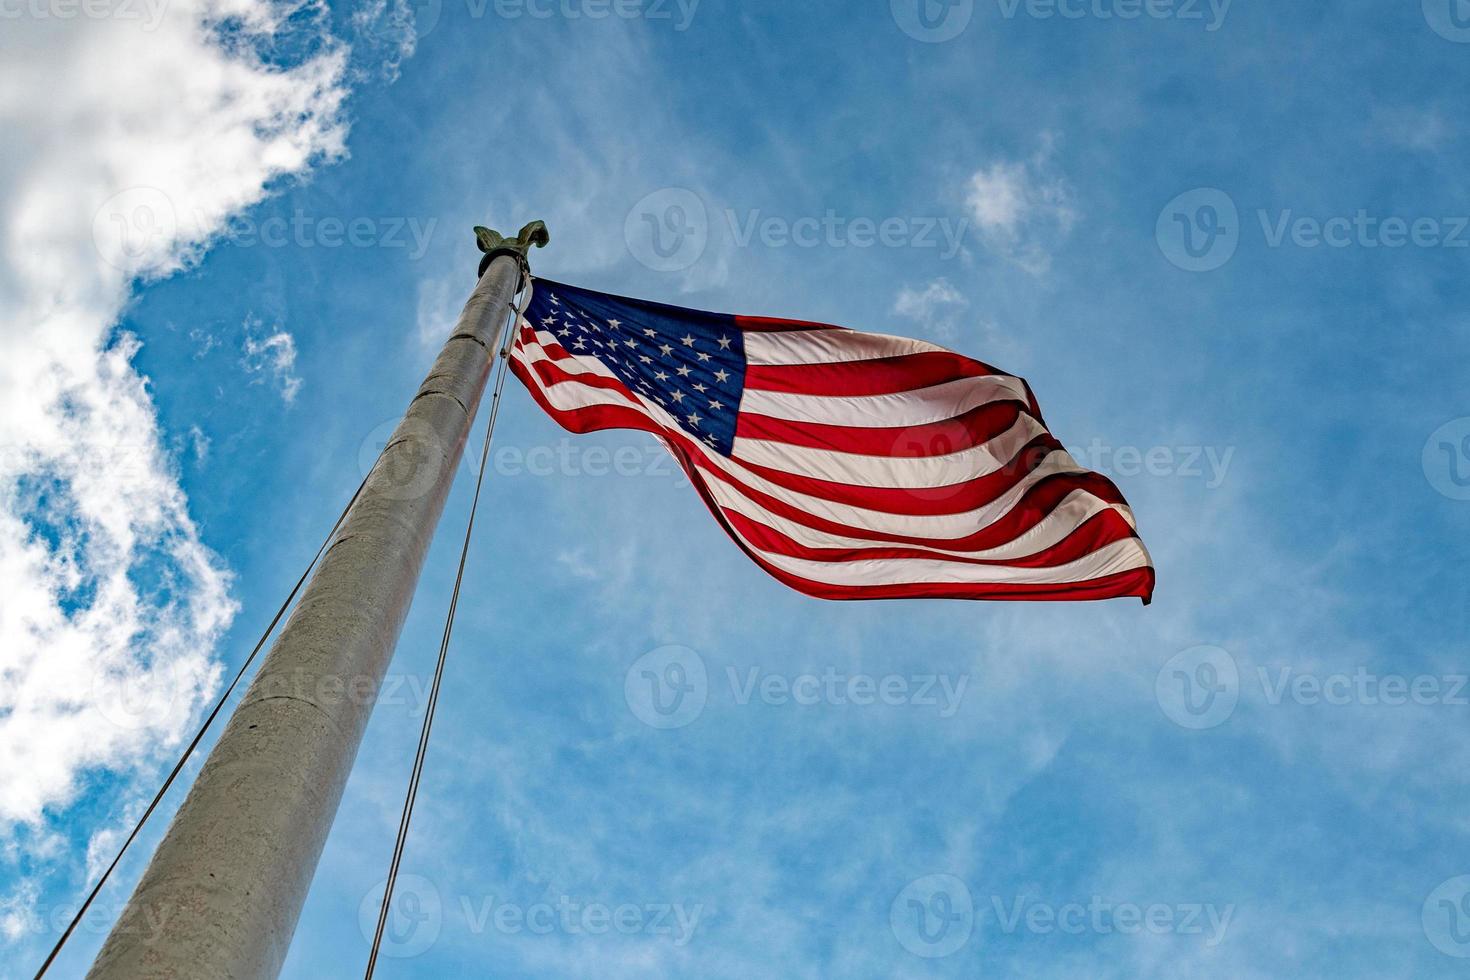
point(1120, 556)
point(827, 346)
point(575, 364)
point(1065, 518)
point(936, 403)
point(904, 473)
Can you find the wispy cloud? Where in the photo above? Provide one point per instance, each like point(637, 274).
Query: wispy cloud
point(1419, 128)
point(270, 354)
point(391, 28)
point(944, 313)
point(1022, 208)
point(936, 306)
point(440, 300)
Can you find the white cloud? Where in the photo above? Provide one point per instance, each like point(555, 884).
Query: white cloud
point(1418, 128)
point(1022, 209)
point(391, 29)
point(205, 342)
point(271, 354)
point(15, 911)
point(936, 306)
point(944, 314)
point(126, 149)
point(574, 560)
point(199, 444)
point(997, 198)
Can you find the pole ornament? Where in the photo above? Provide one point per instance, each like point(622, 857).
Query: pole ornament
point(493, 243)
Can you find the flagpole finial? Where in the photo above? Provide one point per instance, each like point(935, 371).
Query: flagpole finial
point(493, 243)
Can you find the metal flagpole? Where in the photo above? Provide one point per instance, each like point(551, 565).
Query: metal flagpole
point(221, 896)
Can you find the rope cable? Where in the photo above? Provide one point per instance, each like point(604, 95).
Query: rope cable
point(198, 737)
point(433, 701)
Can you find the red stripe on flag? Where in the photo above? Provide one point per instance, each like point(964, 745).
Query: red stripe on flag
point(1035, 504)
point(977, 426)
point(956, 498)
point(591, 419)
point(1137, 582)
point(772, 324)
point(528, 341)
point(550, 374)
point(1100, 530)
point(881, 376)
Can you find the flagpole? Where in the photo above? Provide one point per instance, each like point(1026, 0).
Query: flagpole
point(222, 893)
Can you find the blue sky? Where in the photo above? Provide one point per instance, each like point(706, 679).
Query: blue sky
point(1221, 784)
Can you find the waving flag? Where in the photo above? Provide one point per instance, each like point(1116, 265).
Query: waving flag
point(848, 465)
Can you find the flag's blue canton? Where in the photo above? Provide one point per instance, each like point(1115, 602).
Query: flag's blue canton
point(690, 363)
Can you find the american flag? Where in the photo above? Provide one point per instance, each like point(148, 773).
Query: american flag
point(848, 465)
